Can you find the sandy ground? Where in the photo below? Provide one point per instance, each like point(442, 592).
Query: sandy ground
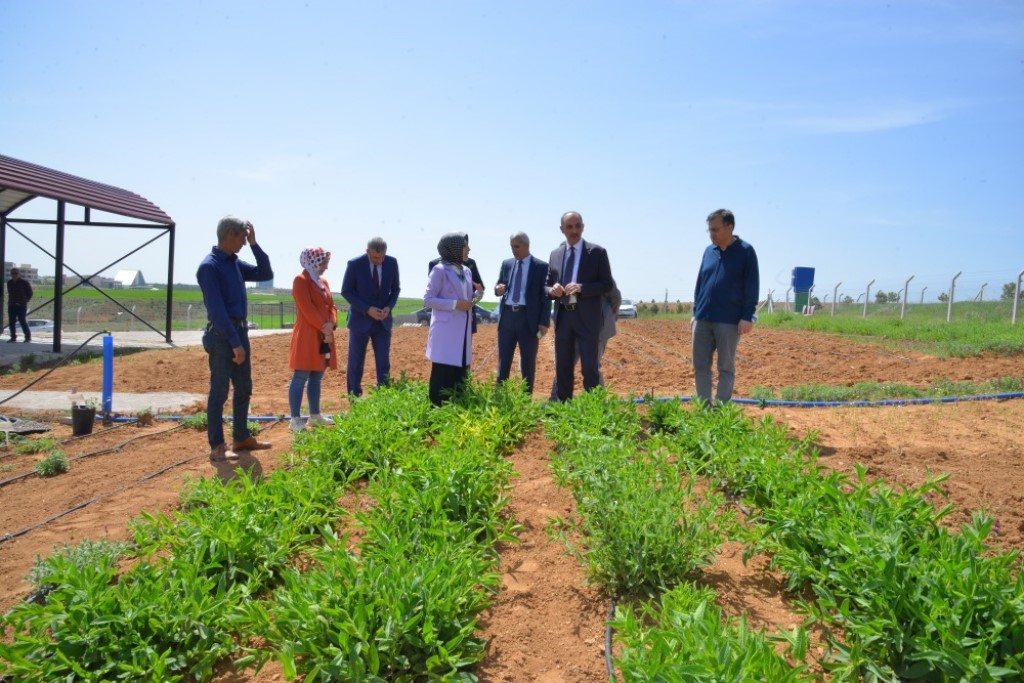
point(547, 624)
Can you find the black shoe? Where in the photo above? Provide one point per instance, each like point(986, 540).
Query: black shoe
point(12, 340)
point(26, 340)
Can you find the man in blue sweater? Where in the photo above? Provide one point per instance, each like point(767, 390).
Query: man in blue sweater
point(723, 304)
point(222, 278)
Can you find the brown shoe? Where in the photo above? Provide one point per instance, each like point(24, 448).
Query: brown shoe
point(250, 444)
point(221, 453)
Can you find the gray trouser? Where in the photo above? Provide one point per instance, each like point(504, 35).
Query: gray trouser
point(709, 337)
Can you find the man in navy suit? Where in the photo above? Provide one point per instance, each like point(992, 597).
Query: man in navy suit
point(524, 312)
point(371, 289)
point(579, 277)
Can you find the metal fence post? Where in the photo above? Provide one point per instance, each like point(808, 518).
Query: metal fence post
point(787, 298)
point(834, 290)
point(867, 295)
point(922, 293)
point(1016, 298)
point(906, 291)
point(952, 288)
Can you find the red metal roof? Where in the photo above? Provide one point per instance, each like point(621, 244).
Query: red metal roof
point(21, 181)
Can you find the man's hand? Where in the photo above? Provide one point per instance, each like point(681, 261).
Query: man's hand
point(745, 326)
point(239, 355)
point(556, 291)
point(573, 289)
point(250, 233)
point(385, 312)
point(499, 288)
point(541, 331)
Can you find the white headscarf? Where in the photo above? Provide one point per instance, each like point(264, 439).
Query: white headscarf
point(311, 260)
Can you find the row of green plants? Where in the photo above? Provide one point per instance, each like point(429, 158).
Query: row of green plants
point(898, 594)
point(253, 569)
point(875, 391)
point(903, 595)
point(645, 526)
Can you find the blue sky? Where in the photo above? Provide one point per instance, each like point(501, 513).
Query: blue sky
point(869, 140)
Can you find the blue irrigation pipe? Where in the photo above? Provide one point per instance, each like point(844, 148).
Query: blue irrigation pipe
point(764, 403)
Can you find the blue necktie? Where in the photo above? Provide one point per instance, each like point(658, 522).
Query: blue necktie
point(517, 285)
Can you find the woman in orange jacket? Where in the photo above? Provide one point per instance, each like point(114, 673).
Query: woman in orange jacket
point(312, 347)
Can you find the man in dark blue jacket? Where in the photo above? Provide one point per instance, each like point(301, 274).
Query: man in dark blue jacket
point(222, 277)
point(371, 289)
point(724, 302)
point(524, 312)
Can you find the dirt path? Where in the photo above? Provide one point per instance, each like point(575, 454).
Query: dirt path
point(546, 625)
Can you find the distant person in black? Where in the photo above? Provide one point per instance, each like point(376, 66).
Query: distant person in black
point(19, 293)
point(478, 282)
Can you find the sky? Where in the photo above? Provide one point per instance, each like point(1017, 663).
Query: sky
point(867, 140)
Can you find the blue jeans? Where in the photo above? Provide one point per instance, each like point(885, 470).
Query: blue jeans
point(709, 337)
point(223, 372)
point(310, 380)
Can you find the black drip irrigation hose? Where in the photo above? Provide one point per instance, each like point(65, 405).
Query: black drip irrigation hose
point(766, 403)
point(608, 633)
point(109, 449)
point(16, 534)
point(62, 361)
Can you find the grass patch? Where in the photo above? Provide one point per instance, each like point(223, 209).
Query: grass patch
point(874, 391)
point(960, 338)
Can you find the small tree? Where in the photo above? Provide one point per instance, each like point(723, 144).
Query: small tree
point(893, 297)
point(881, 297)
point(944, 298)
point(847, 300)
point(1008, 290)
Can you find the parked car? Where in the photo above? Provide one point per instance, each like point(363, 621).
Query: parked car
point(482, 315)
point(627, 309)
point(485, 316)
point(40, 325)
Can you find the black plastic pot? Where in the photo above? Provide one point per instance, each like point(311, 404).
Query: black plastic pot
point(82, 420)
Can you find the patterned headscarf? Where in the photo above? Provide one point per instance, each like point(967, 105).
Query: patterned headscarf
point(450, 248)
point(311, 259)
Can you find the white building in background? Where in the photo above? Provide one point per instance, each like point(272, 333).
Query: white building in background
point(130, 279)
point(97, 280)
point(265, 284)
point(27, 271)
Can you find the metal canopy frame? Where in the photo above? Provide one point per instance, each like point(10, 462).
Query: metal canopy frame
point(21, 182)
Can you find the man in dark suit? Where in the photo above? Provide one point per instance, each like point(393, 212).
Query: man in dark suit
point(524, 312)
point(371, 289)
point(579, 276)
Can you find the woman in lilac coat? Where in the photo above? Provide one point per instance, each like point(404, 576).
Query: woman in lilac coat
point(450, 296)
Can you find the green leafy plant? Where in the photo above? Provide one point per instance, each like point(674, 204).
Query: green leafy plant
point(53, 464)
point(33, 446)
point(197, 421)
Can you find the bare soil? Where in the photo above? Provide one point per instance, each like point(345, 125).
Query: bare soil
point(547, 624)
